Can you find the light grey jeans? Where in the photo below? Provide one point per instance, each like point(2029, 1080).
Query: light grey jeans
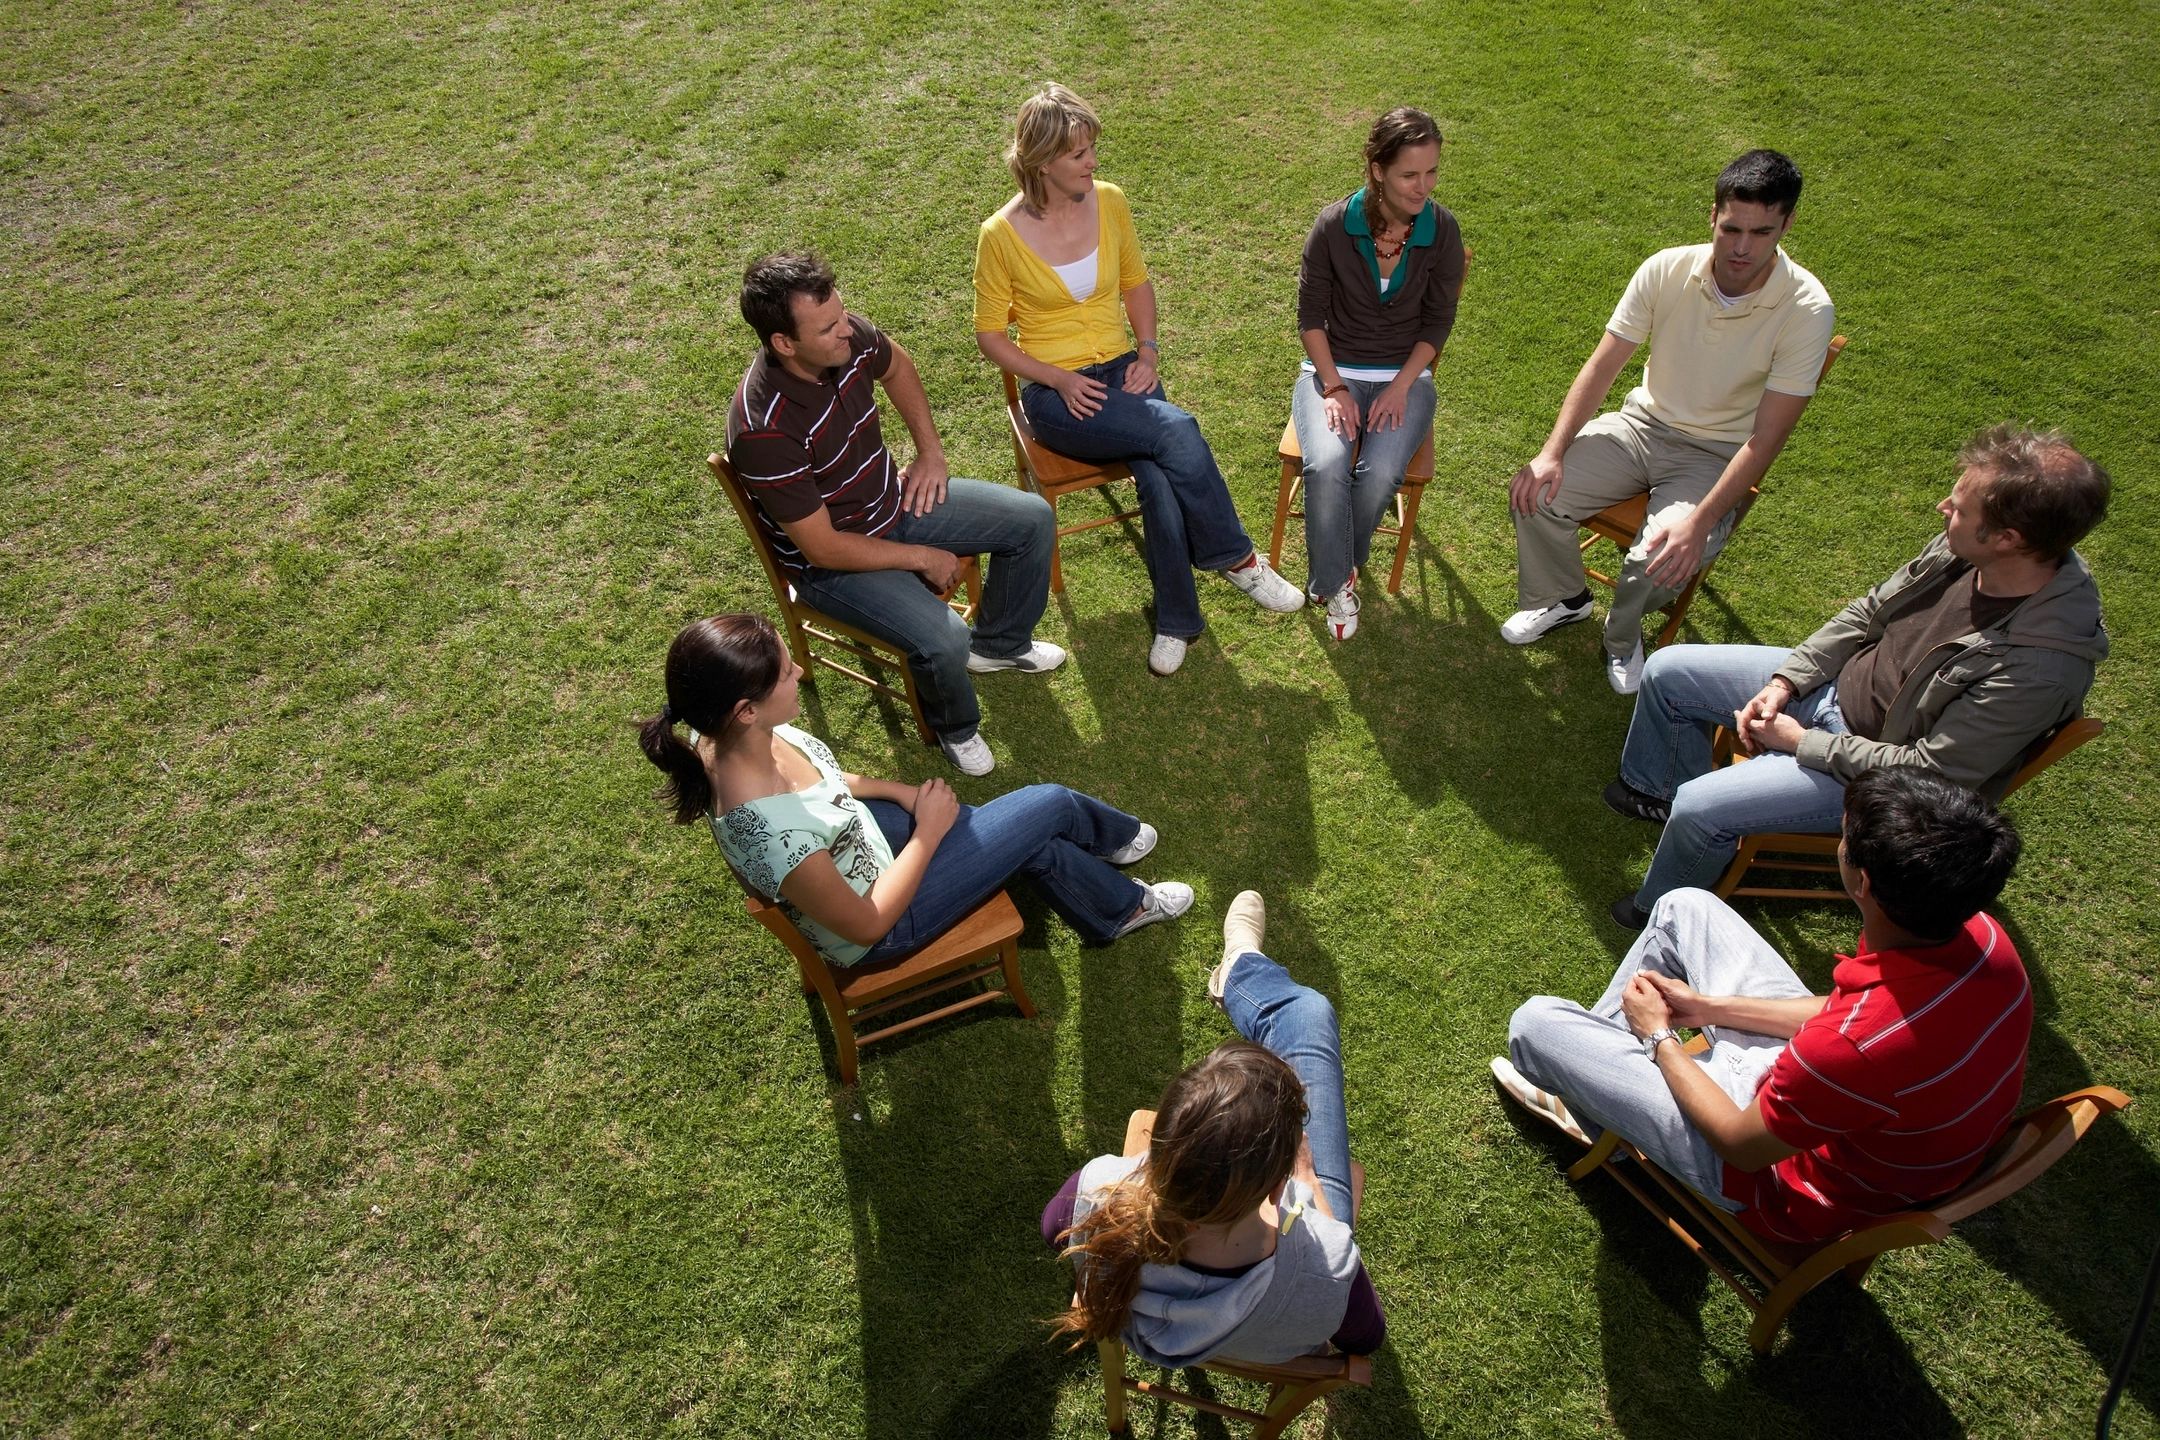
point(1594, 1062)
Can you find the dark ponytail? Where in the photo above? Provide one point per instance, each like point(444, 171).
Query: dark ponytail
point(713, 666)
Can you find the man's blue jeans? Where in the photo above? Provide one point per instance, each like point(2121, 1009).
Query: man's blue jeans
point(1016, 530)
point(1297, 1025)
point(1050, 834)
point(1345, 502)
point(1687, 689)
point(1186, 515)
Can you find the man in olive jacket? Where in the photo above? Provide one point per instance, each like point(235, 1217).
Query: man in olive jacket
point(1959, 663)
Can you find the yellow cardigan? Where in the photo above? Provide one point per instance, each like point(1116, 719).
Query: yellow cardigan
point(1014, 285)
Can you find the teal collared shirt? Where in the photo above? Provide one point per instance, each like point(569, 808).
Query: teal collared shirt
point(1423, 231)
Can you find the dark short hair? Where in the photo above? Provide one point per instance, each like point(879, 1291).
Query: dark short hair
point(2038, 484)
point(1934, 853)
point(770, 285)
point(1764, 177)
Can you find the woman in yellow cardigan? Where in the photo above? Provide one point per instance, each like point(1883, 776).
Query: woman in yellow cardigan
point(1061, 263)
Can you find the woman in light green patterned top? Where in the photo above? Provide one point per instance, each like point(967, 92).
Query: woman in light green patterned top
point(871, 869)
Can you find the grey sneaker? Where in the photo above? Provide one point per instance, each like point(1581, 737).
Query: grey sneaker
point(1166, 901)
point(1268, 589)
point(970, 756)
point(1166, 654)
point(1524, 626)
point(1041, 655)
point(1135, 849)
point(1625, 676)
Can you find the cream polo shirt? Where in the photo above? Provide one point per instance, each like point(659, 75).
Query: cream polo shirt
point(1709, 364)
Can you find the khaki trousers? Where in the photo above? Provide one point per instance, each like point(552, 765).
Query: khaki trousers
point(1615, 457)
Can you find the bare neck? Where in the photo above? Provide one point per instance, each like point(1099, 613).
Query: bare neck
point(2015, 574)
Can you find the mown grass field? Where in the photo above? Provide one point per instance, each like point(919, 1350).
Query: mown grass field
point(377, 1060)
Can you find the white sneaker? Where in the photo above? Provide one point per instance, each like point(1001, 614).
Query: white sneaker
point(1137, 848)
point(1268, 589)
point(1342, 611)
point(1524, 626)
point(1625, 676)
point(1166, 654)
point(1244, 927)
point(970, 756)
point(1542, 1103)
point(1040, 655)
point(1166, 901)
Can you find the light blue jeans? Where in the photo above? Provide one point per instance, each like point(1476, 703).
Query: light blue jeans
point(1187, 519)
point(1687, 689)
point(1297, 1025)
point(1593, 1061)
point(1348, 483)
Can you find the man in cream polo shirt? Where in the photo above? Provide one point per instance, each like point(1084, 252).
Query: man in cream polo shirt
point(1737, 335)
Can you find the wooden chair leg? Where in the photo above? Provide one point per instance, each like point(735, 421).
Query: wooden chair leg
point(1408, 534)
point(914, 704)
point(1595, 1156)
point(1112, 1354)
point(798, 639)
point(1009, 959)
point(1057, 562)
point(1677, 612)
point(1743, 858)
point(1291, 470)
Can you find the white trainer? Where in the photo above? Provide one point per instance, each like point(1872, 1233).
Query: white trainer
point(1524, 626)
point(970, 756)
point(1342, 611)
point(1268, 589)
point(1040, 655)
point(1165, 901)
point(1625, 676)
point(1542, 1103)
point(1166, 654)
point(1135, 849)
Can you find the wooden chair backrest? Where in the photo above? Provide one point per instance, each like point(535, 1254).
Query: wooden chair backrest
point(2040, 1137)
point(746, 512)
point(2067, 737)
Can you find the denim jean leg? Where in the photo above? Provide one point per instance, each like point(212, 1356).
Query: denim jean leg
point(1017, 531)
point(896, 606)
point(1297, 1025)
point(1384, 456)
point(1328, 464)
point(1711, 812)
point(1046, 832)
point(1686, 689)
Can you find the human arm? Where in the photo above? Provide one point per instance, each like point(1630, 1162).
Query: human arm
point(816, 888)
point(1335, 398)
point(1739, 1136)
point(831, 549)
point(1083, 395)
point(1301, 1170)
point(922, 480)
point(862, 787)
point(1538, 481)
point(1387, 406)
point(1057, 1216)
point(1689, 1009)
point(1676, 552)
point(1140, 314)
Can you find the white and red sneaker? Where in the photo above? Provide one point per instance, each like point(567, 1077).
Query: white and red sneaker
point(1342, 611)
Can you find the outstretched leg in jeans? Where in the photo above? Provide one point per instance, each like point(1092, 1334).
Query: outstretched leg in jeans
point(1297, 1025)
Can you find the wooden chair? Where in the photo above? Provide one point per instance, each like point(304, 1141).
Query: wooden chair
point(1817, 854)
point(1407, 498)
point(984, 945)
point(801, 623)
point(1779, 1275)
point(1292, 1385)
point(1053, 476)
point(1622, 522)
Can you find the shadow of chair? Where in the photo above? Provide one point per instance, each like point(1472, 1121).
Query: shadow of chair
point(1292, 1385)
point(1045, 472)
point(802, 623)
point(1622, 522)
point(1793, 853)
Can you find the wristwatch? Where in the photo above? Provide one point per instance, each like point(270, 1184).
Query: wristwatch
point(1150, 345)
point(1656, 1038)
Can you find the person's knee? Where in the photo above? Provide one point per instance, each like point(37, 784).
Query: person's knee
point(946, 645)
point(1180, 437)
point(1529, 1032)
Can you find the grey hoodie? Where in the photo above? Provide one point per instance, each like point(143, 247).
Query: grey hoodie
point(1974, 708)
point(1285, 1306)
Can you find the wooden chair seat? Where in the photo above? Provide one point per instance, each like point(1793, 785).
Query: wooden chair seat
point(801, 623)
point(1623, 521)
point(1407, 500)
point(983, 946)
point(1045, 472)
point(1292, 1385)
point(1793, 853)
point(1779, 1275)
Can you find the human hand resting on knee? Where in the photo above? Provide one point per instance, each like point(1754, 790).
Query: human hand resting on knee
point(1082, 394)
point(1534, 485)
point(1768, 705)
point(935, 807)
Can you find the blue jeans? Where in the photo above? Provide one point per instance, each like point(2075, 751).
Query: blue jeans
point(1346, 495)
point(1050, 834)
point(1186, 516)
point(1016, 530)
point(1592, 1060)
point(1687, 689)
point(1297, 1025)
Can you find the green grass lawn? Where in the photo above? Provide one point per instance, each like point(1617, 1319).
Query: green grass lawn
point(377, 1059)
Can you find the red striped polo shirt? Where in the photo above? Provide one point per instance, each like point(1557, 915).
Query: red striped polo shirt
point(800, 444)
point(1896, 1092)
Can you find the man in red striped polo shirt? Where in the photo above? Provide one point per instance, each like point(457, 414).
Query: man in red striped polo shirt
point(1810, 1114)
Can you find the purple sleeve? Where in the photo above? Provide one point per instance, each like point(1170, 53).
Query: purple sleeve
point(1363, 1327)
point(1057, 1217)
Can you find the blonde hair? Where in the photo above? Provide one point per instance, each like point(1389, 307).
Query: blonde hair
point(1226, 1135)
point(1048, 120)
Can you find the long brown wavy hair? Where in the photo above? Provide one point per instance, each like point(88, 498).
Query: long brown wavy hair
point(1226, 1136)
